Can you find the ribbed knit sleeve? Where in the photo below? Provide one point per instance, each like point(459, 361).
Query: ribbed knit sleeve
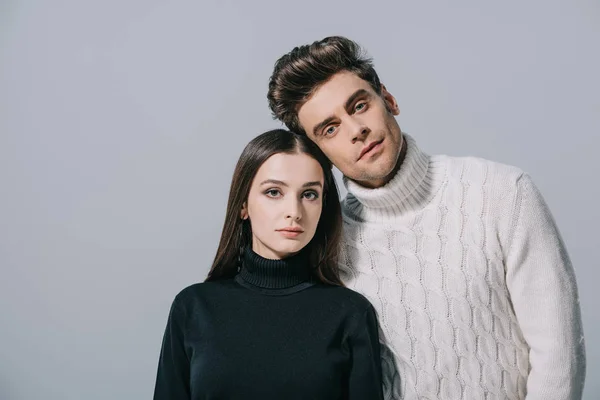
point(173, 377)
point(364, 379)
point(543, 291)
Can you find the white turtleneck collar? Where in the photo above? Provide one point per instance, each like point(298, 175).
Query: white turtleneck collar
point(413, 186)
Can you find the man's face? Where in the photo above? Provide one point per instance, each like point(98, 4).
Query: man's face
point(355, 127)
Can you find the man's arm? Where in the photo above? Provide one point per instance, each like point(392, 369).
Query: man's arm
point(543, 290)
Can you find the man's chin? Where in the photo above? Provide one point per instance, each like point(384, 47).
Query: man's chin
point(376, 178)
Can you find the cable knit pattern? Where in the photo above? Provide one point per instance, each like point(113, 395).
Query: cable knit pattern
point(474, 289)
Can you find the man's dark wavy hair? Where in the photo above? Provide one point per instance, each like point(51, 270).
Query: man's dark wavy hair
point(300, 72)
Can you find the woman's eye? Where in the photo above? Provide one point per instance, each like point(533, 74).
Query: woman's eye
point(273, 193)
point(360, 106)
point(311, 195)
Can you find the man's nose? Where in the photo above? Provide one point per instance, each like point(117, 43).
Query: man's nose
point(358, 129)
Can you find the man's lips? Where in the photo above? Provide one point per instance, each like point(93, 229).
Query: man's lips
point(368, 148)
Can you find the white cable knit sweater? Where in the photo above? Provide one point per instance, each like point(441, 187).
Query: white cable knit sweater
point(474, 289)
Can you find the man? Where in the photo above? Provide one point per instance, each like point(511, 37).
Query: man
point(475, 292)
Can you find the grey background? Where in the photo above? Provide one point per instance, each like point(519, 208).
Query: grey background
point(121, 122)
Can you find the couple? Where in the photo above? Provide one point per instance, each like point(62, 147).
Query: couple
point(466, 281)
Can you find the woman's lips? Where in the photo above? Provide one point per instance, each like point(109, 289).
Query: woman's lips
point(290, 232)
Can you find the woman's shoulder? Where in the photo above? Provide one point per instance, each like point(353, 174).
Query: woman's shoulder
point(199, 290)
point(345, 297)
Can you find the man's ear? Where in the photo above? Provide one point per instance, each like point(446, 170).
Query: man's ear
point(390, 101)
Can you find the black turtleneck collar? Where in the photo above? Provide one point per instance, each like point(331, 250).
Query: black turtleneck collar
point(275, 276)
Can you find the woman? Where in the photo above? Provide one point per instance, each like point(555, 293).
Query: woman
point(273, 320)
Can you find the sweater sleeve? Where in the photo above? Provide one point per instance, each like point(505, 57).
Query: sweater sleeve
point(365, 372)
point(173, 377)
point(543, 291)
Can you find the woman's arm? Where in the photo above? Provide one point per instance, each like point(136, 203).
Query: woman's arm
point(365, 372)
point(173, 377)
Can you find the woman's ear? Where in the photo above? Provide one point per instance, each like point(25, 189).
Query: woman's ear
point(244, 212)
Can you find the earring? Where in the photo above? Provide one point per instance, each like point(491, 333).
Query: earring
point(241, 252)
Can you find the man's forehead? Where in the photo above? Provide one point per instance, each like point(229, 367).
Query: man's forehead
point(341, 86)
point(333, 94)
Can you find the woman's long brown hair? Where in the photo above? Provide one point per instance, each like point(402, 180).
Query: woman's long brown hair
point(236, 235)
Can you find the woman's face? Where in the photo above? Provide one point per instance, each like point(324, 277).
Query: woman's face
point(284, 204)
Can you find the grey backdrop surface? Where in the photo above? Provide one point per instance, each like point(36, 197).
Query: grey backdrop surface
point(121, 121)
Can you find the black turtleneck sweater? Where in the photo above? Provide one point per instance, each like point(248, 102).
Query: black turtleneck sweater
point(269, 333)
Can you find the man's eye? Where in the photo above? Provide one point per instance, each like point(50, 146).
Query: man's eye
point(330, 130)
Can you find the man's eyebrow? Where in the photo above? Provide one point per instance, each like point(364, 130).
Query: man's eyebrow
point(352, 99)
point(274, 181)
point(349, 102)
point(322, 124)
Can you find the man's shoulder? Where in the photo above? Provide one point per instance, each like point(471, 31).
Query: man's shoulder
point(500, 181)
point(471, 167)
